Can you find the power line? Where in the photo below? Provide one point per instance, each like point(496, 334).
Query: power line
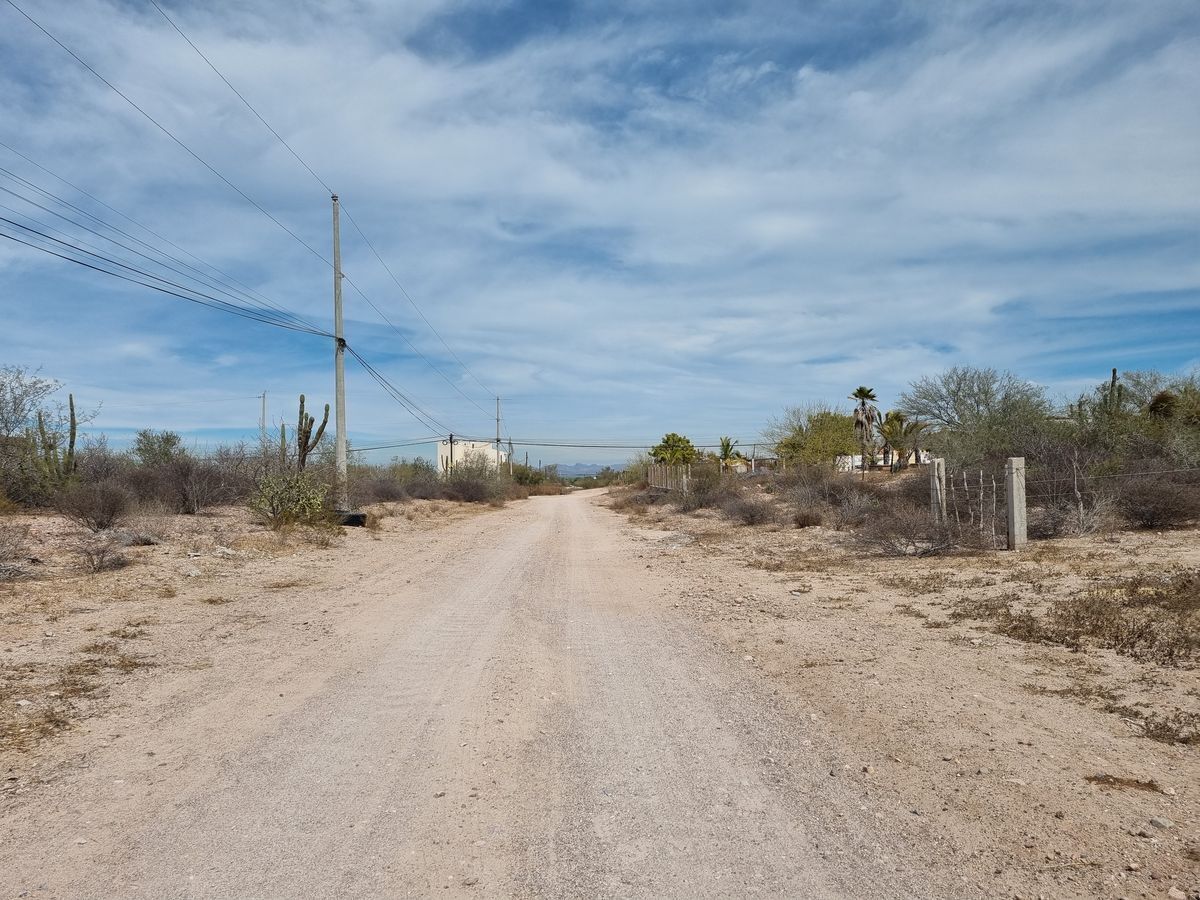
point(170, 134)
point(399, 396)
point(350, 217)
point(271, 311)
point(222, 275)
point(164, 286)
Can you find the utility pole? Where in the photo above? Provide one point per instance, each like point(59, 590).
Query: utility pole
point(497, 433)
point(262, 420)
point(450, 465)
point(341, 500)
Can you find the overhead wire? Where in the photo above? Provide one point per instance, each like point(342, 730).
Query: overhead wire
point(221, 275)
point(354, 222)
point(399, 396)
point(222, 177)
point(196, 156)
point(164, 285)
point(272, 309)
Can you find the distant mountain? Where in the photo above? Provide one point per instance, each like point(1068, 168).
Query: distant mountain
point(574, 470)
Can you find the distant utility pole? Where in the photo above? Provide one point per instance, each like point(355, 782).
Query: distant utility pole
point(262, 421)
point(341, 500)
point(497, 433)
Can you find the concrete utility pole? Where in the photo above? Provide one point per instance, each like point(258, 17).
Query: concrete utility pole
point(262, 420)
point(497, 434)
point(341, 500)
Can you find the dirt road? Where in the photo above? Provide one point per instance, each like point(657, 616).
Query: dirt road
point(496, 712)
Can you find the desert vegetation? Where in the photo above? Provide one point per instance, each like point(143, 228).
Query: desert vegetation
point(53, 458)
point(1120, 456)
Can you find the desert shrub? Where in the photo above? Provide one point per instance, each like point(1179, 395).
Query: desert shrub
point(475, 480)
point(904, 530)
point(1151, 618)
point(101, 555)
point(748, 510)
point(97, 506)
point(12, 550)
point(546, 489)
point(420, 479)
point(807, 518)
point(1158, 502)
point(96, 461)
point(637, 499)
point(855, 509)
point(706, 488)
point(290, 498)
point(378, 487)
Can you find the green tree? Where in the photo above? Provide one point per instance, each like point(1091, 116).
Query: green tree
point(814, 434)
point(674, 450)
point(978, 416)
point(157, 448)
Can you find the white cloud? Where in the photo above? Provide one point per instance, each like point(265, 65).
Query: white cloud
point(650, 221)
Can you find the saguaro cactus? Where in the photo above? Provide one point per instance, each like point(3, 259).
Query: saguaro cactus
point(306, 442)
point(56, 465)
point(1114, 398)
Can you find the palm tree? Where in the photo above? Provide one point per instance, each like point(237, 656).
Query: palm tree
point(901, 436)
point(727, 455)
point(866, 415)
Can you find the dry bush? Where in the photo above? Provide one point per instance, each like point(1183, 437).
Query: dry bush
point(475, 480)
point(1151, 618)
point(1178, 727)
point(636, 499)
point(12, 550)
point(807, 518)
point(101, 555)
point(546, 489)
point(749, 510)
point(706, 489)
point(905, 530)
point(97, 506)
point(377, 488)
point(1159, 503)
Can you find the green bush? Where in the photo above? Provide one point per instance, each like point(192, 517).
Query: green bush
point(290, 498)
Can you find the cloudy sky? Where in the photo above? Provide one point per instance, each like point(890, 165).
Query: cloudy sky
point(624, 217)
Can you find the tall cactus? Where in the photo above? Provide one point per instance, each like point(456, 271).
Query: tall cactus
point(55, 465)
point(1114, 397)
point(305, 441)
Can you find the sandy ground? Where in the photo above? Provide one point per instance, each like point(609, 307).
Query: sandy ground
point(547, 700)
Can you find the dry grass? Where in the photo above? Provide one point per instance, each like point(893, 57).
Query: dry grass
point(215, 601)
point(916, 585)
point(1152, 618)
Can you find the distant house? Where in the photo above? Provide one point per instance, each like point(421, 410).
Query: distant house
point(453, 453)
point(851, 463)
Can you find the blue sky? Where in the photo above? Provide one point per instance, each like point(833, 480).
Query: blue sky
point(624, 217)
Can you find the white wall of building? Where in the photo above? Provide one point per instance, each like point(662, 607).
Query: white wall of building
point(469, 449)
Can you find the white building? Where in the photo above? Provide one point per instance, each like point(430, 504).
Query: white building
point(452, 454)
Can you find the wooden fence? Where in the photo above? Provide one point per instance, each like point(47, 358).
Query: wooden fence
point(669, 478)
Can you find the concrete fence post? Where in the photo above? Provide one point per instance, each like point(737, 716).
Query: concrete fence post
point(1014, 492)
point(937, 489)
